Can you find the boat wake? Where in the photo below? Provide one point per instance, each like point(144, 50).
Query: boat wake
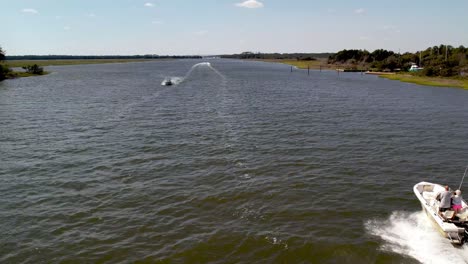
point(204, 64)
point(178, 80)
point(172, 81)
point(413, 234)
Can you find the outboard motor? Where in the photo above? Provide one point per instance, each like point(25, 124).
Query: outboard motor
point(465, 236)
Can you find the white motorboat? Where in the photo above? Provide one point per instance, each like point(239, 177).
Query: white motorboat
point(167, 82)
point(414, 68)
point(451, 225)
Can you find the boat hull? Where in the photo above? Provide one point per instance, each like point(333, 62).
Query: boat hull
point(434, 223)
point(426, 193)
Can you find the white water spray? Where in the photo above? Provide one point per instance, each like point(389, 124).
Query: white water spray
point(172, 81)
point(413, 234)
point(178, 80)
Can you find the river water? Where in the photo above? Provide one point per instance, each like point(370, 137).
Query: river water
point(240, 162)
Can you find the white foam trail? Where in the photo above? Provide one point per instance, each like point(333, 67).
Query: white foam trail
point(413, 234)
point(121, 114)
point(202, 63)
point(178, 80)
point(207, 64)
point(174, 80)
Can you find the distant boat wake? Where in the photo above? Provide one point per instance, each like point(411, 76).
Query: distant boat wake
point(412, 234)
point(168, 81)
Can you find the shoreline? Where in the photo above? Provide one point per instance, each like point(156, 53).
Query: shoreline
point(429, 81)
point(380, 73)
point(19, 74)
point(302, 64)
point(21, 63)
point(408, 78)
point(42, 63)
point(318, 64)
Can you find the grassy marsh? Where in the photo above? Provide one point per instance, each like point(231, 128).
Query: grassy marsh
point(457, 82)
point(21, 63)
point(16, 74)
point(429, 81)
point(304, 64)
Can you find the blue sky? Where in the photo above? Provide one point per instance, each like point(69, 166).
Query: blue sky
point(89, 27)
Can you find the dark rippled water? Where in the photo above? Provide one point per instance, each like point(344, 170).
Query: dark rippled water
point(242, 162)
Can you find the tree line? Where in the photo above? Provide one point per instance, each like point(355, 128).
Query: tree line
point(4, 70)
point(442, 60)
point(96, 57)
point(277, 56)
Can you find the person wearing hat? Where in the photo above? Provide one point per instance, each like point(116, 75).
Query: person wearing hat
point(457, 201)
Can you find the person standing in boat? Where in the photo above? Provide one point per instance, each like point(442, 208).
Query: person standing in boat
point(457, 201)
point(445, 198)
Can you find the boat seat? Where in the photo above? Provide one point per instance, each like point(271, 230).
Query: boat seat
point(429, 195)
point(428, 188)
point(449, 214)
point(463, 214)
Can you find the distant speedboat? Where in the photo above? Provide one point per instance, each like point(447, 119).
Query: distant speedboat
point(167, 82)
point(454, 227)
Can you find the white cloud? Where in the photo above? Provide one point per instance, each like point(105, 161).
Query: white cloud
point(30, 11)
point(250, 4)
point(66, 28)
point(156, 22)
point(360, 11)
point(200, 32)
point(149, 4)
point(390, 29)
point(90, 15)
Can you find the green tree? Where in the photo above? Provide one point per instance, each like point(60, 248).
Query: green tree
point(2, 54)
point(34, 69)
point(391, 62)
point(381, 54)
point(4, 70)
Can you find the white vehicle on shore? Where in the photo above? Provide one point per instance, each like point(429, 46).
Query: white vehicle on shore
point(414, 68)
